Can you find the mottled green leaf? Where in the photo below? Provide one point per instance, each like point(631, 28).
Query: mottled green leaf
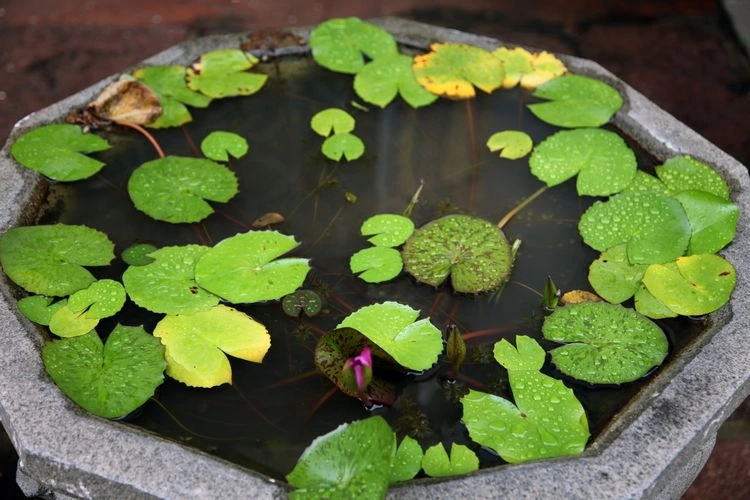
point(453, 70)
point(348, 146)
point(222, 73)
point(576, 101)
point(168, 82)
point(613, 277)
point(683, 173)
point(387, 230)
point(713, 220)
point(408, 460)
point(138, 254)
point(40, 308)
point(342, 44)
point(102, 299)
point(381, 80)
point(376, 264)
point(219, 145)
point(437, 464)
point(332, 120)
point(512, 144)
point(302, 300)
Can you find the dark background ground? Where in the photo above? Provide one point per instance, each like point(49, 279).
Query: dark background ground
point(682, 54)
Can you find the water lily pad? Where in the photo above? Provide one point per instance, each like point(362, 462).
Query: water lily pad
point(219, 145)
point(102, 299)
point(437, 464)
point(333, 120)
point(168, 285)
point(613, 277)
point(576, 101)
point(603, 162)
point(40, 308)
point(376, 264)
point(222, 73)
point(692, 285)
point(650, 306)
point(126, 101)
point(342, 44)
point(646, 182)
point(175, 189)
point(530, 70)
point(196, 344)
point(472, 251)
point(387, 230)
point(109, 380)
point(49, 260)
point(170, 86)
point(302, 300)
point(245, 268)
point(352, 461)
point(408, 460)
point(606, 343)
point(512, 144)
point(713, 220)
point(57, 151)
point(654, 226)
point(453, 70)
point(66, 323)
point(381, 80)
point(348, 146)
point(138, 254)
point(684, 173)
point(546, 421)
point(393, 327)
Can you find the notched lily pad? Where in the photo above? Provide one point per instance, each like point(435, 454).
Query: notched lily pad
point(339, 146)
point(222, 73)
point(387, 230)
point(613, 277)
point(713, 220)
point(530, 70)
point(376, 264)
point(342, 44)
point(138, 254)
point(57, 151)
point(168, 82)
point(453, 70)
point(66, 323)
point(576, 101)
point(102, 299)
point(40, 308)
point(381, 80)
point(175, 189)
point(606, 343)
point(683, 173)
point(302, 300)
point(512, 144)
point(437, 464)
point(332, 120)
point(407, 461)
point(220, 145)
point(472, 251)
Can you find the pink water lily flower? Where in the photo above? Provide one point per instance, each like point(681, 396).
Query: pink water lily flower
point(358, 370)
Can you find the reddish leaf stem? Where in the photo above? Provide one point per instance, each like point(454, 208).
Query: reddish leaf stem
point(145, 133)
point(328, 395)
point(483, 333)
point(474, 155)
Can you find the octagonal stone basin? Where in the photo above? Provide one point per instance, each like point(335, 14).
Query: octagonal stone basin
point(654, 448)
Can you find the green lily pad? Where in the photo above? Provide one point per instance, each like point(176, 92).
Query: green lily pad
point(387, 230)
point(408, 460)
point(348, 146)
point(650, 306)
point(342, 44)
point(576, 101)
point(712, 219)
point(109, 380)
point(603, 162)
point(219, 145)
point(102, 299)
point(57, 151)
point(222, 73)
point(376, 264)
point(66, 323)
point(654, 226)
point(381, 80)
point(393, 327)
point(437, 464)
point(196, 344)
point(40, 308)
point(606, 343)
point(302, 300)
point(138, 254)
point(453, 70)
point(168, 82)
point(692, 285)
point(245, 268)
point(333, 120)
point(49, 260)
point(646, 182)
point(472, 251)
point(168, 285)
point(512, 144)
point(613, 277)
point(352, 461)
point(684, 173)
point(547, 419)
point(175, 189)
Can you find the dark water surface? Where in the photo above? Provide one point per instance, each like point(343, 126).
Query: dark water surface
point(267, 417)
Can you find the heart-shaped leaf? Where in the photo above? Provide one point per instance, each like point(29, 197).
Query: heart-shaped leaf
point(196, 344)
point(683, 173)
point(606, 343)
point(219, 145)
point(57, 151)
point(175, 189)
point(547, 419)
point(712, 219)
point(576, 101)
point(603, 162)
point(302, 300)
point(530, 70)
point(49, 260)
point(381, 80)
point(168, 285)
point(472, 251)
point(102, 299)
point(109, 380)
point(168, 82)
point(242, 269)
point(393, 327)
point(512, 144)
point(40, 308)
point(352, 461)
point(387, 230)
point(376, 264)
point(342, 44)
point(138, 254)
point(453, 70)
point(437, 464)
point(331, 120)
point(613, 277)
point(348, 146)
point(692, 285)
point(222, 73)
point(654, 226)
point(408, 460)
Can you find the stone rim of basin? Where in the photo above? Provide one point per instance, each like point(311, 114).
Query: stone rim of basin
point(655, 447)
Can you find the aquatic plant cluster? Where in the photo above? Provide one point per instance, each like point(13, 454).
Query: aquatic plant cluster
point(659, 238)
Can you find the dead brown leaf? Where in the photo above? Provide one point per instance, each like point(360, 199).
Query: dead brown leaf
point(268, 219)
point(126, 101)
point(578, 296)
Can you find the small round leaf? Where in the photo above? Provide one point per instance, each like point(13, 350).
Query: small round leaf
point(387, 230)
point(376, 264)
point(512, 144)
point(302, 300)
point(333, 120)
point(219, 145)
point(138, 254)
point(343, 145)
point(437, 464)
point(102, 299)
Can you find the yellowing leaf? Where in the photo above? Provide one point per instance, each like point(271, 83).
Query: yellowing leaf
point(546, 67)
point(452, 70)
point(530, 70)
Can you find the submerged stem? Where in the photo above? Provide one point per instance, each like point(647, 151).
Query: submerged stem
point(145, 133)
point(414, 199)
point(507, 217)
point(473, 155)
